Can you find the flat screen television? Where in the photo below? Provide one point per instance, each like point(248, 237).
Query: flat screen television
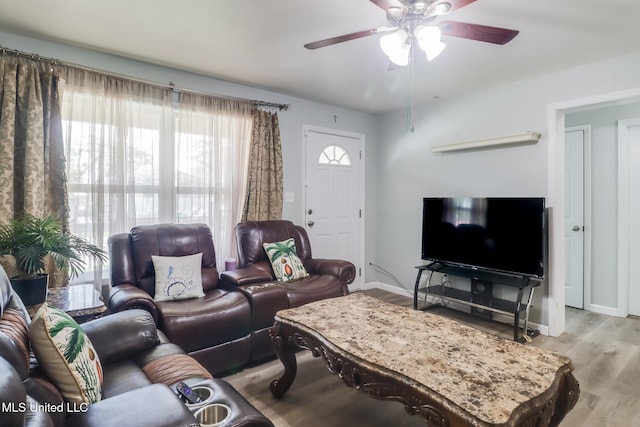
point(499, 234)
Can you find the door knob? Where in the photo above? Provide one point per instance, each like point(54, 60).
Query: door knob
point(310, 211)
point(311, 223)
point(576, 228)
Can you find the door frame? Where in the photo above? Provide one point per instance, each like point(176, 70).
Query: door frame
point(359, 280)
point(624, 217)
point(556, 192)
point(586, 211)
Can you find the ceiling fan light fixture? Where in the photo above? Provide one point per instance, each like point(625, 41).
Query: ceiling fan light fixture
point(397, 47)
point(427, 34)
point(434, 49)
point(390, 42)
point(429, 40)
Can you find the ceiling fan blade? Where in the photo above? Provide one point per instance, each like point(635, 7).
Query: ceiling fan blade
point(386, 4)
point(346, 37)
point(477, 32)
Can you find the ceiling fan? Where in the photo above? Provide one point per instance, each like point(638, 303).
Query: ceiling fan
point(412, 21)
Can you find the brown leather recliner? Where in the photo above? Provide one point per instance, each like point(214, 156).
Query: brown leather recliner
point(214, 329)
point(327, 278)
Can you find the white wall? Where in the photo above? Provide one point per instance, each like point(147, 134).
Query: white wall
point(407, 170)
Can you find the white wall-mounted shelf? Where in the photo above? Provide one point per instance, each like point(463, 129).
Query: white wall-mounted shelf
point(503, 141)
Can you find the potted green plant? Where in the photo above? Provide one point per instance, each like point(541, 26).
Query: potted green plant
point(30, 240)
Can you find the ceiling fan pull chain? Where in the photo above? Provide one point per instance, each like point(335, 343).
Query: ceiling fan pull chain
point(410, 100)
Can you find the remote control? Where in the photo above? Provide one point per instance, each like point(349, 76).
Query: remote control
point(187, 392)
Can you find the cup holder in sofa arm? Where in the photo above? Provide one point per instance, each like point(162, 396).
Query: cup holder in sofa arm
point(212, 415)
point(240, 411)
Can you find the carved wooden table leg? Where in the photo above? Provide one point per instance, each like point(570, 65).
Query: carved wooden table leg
point(285, 350)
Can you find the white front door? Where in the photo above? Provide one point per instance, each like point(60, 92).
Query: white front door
point(334, 195)
point(574, 217)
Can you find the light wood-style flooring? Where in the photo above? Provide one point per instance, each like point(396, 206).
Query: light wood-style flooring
point(605, 351)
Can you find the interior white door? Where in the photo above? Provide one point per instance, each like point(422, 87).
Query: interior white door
point(333, 194)
point(629, 191)
point(574, 217)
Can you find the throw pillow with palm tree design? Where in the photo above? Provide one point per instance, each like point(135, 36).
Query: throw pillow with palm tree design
point(66, 354)
point(285, 262)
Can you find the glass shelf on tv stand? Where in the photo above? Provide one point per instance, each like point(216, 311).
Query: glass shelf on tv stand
point(515, 308)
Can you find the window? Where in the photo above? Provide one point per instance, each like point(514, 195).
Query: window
point(334, 155)
point(137, 155)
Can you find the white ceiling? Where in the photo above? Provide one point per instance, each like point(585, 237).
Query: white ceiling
point(260, 42)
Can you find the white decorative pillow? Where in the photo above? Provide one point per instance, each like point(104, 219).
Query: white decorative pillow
point(285, 262)
point(67, 356)
point(178, 277)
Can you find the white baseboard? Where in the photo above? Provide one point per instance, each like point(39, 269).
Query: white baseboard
point(503, 318)
point(603, 309)
point(389, 288)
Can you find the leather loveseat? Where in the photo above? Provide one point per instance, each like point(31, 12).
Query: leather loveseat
point(327, 278)
point(139, 371)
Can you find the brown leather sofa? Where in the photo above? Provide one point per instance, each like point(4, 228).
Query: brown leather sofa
point(214, 329)
point(140, 369)
point(228, 328)
point(254, 276)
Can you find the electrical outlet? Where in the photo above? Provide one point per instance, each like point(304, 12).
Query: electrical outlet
point(289, 197)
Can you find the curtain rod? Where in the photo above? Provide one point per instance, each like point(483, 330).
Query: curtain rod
point(170, 85)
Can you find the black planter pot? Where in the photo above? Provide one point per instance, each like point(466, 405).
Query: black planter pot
point(32, 291)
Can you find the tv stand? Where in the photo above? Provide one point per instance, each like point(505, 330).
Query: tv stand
point(480, 300)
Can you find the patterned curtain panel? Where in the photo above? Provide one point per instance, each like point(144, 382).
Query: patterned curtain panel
point(32, 163)
point(264, 189)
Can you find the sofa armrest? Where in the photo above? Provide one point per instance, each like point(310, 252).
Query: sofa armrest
point(155, 405)
point(343, 270)
point(127, 297)
point(122, 335)
point(254, 273)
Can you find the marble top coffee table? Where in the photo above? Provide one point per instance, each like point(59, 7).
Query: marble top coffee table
point(448, 373)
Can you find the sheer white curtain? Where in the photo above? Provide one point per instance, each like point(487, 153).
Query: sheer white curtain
point(213, 138)
point(114, 132)
point(136, 156)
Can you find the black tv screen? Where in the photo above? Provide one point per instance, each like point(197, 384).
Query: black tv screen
point(501, 234)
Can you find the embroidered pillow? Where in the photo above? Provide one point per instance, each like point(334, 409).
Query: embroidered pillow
point(66, 355)
point(178, 277)
point(285, 262)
